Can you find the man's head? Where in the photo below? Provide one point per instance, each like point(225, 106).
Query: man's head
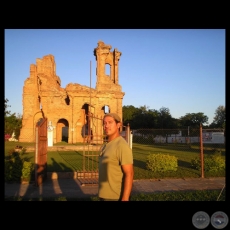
point(113, 115)
point(111, 125)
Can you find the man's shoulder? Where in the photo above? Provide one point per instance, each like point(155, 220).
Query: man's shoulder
point(122, 141)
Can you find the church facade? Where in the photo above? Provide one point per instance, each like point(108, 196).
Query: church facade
point(76, 110)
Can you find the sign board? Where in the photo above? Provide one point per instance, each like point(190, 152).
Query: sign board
point(213, 137)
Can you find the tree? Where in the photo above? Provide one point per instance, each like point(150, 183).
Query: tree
point(165, 120)
point(220, 118)
point(128, 112)
point(13, 123)
point(6, 112)
point(193, 120)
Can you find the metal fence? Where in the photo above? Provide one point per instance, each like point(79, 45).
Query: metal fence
point(207, 141)
point(178, 136)
point(200, 141)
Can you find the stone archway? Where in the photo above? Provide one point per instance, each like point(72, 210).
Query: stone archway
point(62, 130)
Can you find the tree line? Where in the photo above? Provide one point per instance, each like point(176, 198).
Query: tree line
point(145, 118)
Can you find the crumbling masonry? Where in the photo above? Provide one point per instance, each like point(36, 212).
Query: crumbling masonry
point(70, 110)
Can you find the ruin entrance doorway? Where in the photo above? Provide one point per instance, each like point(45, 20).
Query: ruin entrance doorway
point(62, 130)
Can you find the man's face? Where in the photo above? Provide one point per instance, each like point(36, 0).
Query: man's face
point(110, 126)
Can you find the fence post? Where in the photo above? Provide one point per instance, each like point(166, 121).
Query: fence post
point(131, 140)
point(201, 152)
point(127, 135)
point(36, 157)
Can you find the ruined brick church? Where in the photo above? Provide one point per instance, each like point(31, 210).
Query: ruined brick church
point(76, 109)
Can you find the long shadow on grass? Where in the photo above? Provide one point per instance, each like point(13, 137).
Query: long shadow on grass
point(75, 159)
point(184, 164)
point(72, 158)
point(60, 188)
point(193, 148)
point(139, 164)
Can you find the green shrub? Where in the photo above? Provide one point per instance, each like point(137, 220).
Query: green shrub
point(17, 167)
point(13, 166)
point(27, 171)
point(161, 163)
point(212, 163)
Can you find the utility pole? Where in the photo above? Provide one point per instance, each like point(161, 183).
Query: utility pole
point(201, 152)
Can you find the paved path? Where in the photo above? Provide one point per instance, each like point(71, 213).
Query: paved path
point(67, 187)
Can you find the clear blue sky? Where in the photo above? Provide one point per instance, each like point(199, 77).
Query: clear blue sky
point(180, 69)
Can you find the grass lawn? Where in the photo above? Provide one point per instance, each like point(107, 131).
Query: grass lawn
point(68, 161)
